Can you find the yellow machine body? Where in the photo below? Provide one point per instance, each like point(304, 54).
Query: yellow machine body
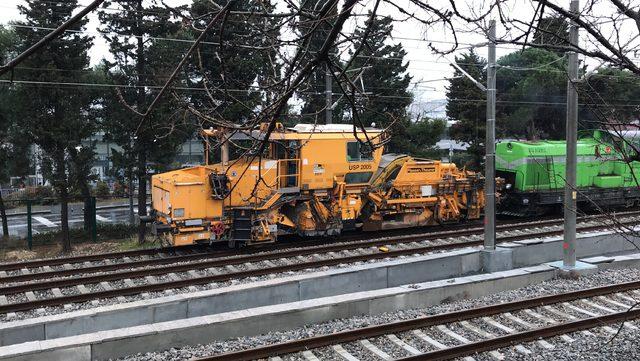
point(314, 181)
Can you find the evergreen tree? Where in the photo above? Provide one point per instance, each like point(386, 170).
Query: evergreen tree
point(232, 70)
point(609, 95)
point(141, 64)
point(312, 91)
point(552, 30)
point(463, 106)
point(385, 82)
point(424, 134)
point(8, 146)
point(55, 117)
point(533, 87)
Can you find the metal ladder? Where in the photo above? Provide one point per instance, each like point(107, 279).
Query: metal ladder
point(550, 168)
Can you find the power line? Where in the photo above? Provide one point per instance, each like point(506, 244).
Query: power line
point(508, 102)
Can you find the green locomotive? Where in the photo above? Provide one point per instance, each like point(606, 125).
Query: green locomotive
point(534, 172)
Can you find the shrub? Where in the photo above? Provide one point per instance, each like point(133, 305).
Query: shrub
point(102, 190)
point(105, 232)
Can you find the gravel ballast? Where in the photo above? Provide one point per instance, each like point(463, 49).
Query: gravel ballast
point(600, 346)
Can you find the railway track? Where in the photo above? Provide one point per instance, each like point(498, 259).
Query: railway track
point(520, 324)
point(164, 255)
point(19, 292)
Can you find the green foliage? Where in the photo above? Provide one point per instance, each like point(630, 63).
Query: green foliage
point(464, 107)
point(55, 117)
point(141, 66)
point(237, 66)
point(13, 145)
point(423, 135)
point(552, 31)
point(312, 91)
point(387, 81)
point(534, 98)
point(609, 95)
point(102, 190)
point(137, 65)
point(105, 232)
point(42, 195)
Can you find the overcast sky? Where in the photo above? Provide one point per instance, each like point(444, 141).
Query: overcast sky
point(429, 71)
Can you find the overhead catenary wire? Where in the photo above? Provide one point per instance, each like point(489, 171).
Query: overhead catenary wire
point(374, 96)
point(49, 37)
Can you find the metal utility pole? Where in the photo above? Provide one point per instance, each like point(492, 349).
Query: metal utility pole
point(490, 144)
point(328, 90)
point(570, 208)
point(224, 149)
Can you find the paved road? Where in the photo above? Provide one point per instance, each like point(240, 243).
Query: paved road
point(48, 222)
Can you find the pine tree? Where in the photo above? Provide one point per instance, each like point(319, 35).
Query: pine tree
point(463, 106)
point(385, 81)
point(141, 62)
point(231, 70)
point(312, 91)
point(531, 102)
point(55, 117)
point(7, 123)
point(552, 30)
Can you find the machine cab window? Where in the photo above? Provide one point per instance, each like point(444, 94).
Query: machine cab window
point(356, 152)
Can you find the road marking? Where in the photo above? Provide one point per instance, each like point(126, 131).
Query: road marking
point(102, 219)
point(45, 221)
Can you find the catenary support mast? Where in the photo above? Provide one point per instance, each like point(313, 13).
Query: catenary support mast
point(490, 144)
point(570, 195)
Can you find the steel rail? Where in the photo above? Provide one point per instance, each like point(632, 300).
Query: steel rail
point(223, 253)
point(444, 318)
point(525, 336)
point(322, 246)
point(160, 286)
point(92, 257)
point(221, 262)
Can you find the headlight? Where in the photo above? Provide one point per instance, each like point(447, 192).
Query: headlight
point(508, 186)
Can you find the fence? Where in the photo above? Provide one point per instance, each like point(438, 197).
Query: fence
point(33, 219)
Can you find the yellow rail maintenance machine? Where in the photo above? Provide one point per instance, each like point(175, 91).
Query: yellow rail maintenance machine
point(313, 180)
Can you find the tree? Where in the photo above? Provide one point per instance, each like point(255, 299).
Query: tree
point(55, 117)
point(424, 134)
point(611, 96)
point(531, 92)
point(7, 124)
point(141, 63)
point(552, 31)
point(312, 35)
point(231, 71)
point(463, 105)
point(385, 80)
